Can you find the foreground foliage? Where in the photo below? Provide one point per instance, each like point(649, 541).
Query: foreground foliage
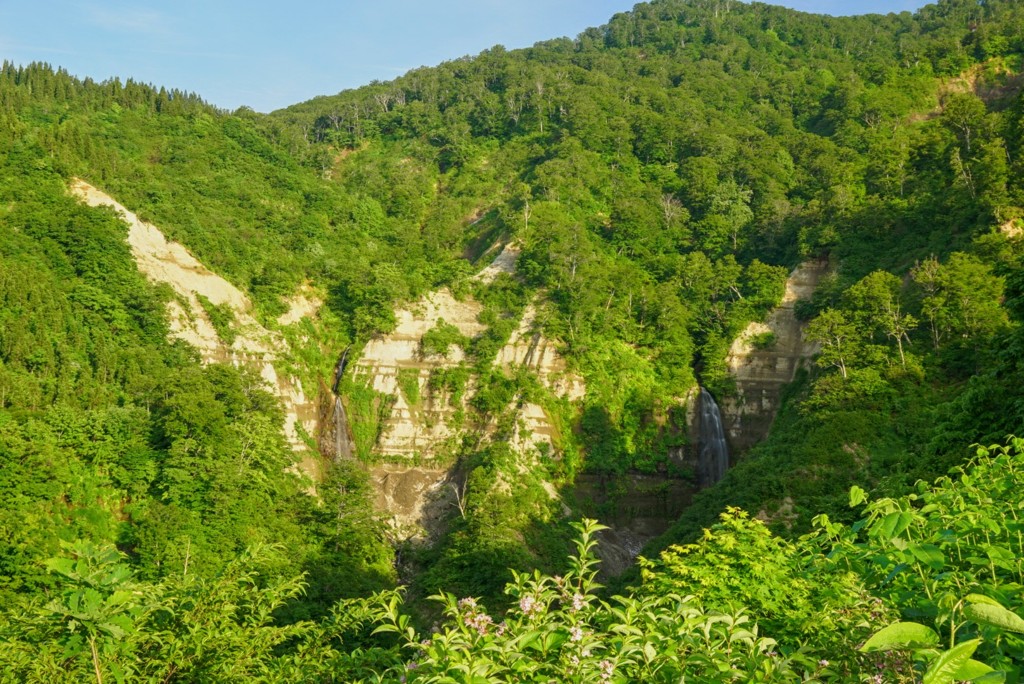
point(923, 586)
point(661, 174)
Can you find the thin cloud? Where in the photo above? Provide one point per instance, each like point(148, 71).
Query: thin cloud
point(11, 49)
point(129, 20)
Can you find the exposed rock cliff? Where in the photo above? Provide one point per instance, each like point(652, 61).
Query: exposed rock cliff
point(422, 420)
point(163, 261)
point(761, 373)
point(416, 501)
point(425, 422)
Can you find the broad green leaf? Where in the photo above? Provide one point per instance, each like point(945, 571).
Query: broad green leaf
point(528, 640)
point(981, 598)
point(901, 635)
point(63, 566)
point(945, 668)
point(929, 554)
point(972, 669)
point(857, 496)
point(995, 616)
point(894, 524)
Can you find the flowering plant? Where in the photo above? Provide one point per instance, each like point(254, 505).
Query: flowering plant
point(558, 630)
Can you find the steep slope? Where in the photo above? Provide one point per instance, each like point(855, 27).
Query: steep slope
point(424, 391)
point(659, 178)
point(426, 416)
point(167, 262)
point(396, 366)
point(762, 371)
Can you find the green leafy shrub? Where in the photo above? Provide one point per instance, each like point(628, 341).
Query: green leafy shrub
point(222, 317)
point(558, 629)
point(937, 552)
point(763, 340)
point(438, 340)
point(786, 587)
point(409, 384)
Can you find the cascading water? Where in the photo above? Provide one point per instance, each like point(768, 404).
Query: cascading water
point(339, 369)
point(713, 452)
point(342, 439)
point(334, 437)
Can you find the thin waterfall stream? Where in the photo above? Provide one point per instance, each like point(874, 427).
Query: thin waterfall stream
point(713, 451)
point(343, 447)
point(334, 418)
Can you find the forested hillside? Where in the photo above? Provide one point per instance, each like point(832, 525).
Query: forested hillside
point(657, 177)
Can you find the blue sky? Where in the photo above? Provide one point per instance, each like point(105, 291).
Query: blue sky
point(269, 54)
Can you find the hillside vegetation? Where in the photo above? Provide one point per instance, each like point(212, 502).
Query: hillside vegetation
point(661, 175)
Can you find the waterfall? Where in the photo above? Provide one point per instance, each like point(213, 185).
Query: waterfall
point(713, 454)
point(342, 439)
point(339, 369)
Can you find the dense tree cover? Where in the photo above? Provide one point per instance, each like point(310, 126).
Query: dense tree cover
point(916, 587)
point(110, 434)
point(661, 174)
point(649, 167)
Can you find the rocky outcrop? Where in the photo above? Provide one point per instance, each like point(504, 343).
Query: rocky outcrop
point(505, 262)
point(762, 372)
point(418, 425)
point(416, 501)
point(423, 420)
point(303, 304)
point(163, 261)
point(425, 423)
point(529, 348)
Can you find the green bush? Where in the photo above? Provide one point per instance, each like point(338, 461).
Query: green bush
point(438, 340)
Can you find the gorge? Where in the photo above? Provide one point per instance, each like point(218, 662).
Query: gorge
point(705, 305)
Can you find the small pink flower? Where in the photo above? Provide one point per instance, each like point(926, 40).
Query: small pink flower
point(576, 634)
point(528, 605)
point(578, 602)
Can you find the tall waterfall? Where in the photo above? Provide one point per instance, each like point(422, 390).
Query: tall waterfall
point(343, 447)
point(713, 454)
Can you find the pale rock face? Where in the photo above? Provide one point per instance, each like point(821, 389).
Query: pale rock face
point(505, 262)
point(162, 261)
point(761, 373)
point(421, 430)
point(304, 304)
point(416, 500)
point(529, 348)
point(425, 429)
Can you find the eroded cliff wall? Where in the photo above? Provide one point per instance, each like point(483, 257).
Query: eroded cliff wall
point(164, 261)
point(761, 373)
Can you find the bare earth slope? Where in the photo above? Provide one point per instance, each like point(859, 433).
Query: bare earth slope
point(168, 262)
point(761, 373)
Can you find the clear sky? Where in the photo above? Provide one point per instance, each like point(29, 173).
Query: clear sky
point(268, 54)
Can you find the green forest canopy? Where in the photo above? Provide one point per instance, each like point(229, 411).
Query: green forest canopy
point(662, 173)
